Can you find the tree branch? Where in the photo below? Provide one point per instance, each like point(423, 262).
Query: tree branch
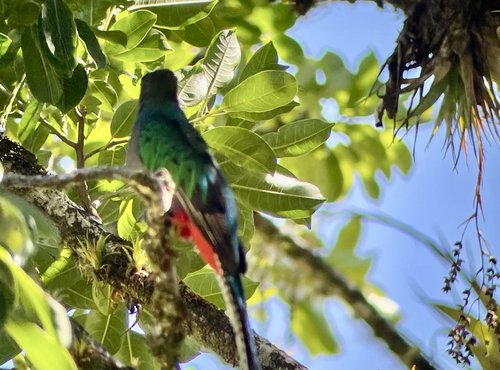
point(105, 147)
point(157, 192)
point(333, 282)
point(205, 322)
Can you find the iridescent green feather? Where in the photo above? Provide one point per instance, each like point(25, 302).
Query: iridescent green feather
point(167, 140)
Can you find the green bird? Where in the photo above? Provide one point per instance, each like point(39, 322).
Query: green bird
point(203, 209)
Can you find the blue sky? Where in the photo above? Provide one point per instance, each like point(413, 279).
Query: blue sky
point(435, 199)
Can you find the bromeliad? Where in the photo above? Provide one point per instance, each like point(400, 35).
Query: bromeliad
point(204, 208)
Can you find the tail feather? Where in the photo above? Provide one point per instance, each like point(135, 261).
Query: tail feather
point(232, 291)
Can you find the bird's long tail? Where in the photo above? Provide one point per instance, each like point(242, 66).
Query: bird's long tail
point(232, 291)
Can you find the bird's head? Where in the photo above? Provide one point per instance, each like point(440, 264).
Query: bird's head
point(159, 86)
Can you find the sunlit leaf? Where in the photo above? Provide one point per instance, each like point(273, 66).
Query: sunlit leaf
point(176, 13)
point(153, 47)
point(204, 282)
point(312, 329)
point(37, 343)
point(260, 116)
point(278, 194)
point(343, 255)
point(222, 57)
point(5, 43)
point(62, 273)
point(105, 93)
point(16, 234)
point(36, 304)
point(135, 351)
point(261, 92)
point(29, 121)
point(243, 147)
point(108, 329)
point(114, 157)
point(298, 137)
point(123, 119)
point(193, 85)
point(263, 58)
point(200, 33)
point(135, 26)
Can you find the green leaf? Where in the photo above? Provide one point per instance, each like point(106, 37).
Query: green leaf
point(193, 86)
point(264, 57)
point(117, 37)
point(135, 26)
point(135, 351)
point(8, 347)
point(325, 171)
point(29, 121)
point(343, 255)
point(129, 226)
point(246, 226)
point(312, 329)
point(215, 70)
point(204, 282)
point(79, 295)
point(261, 92)
point(58, 36)
point(199, 34)
point(262, 116)
point(123, 119)
point(10, 55)
point(5, 43)
point(7, 297)
point(35, 141)
point(299, 137)
point(16, 234)
point(25, 13)
point(105, 93)
point(37, 344)
point(278, 194)
point(150, 49)
point(62, 273)
point(188, 259)
point(89, 38)
point(108, 329)
point(74, 89)
point(242, 146)
point(221, 59)
point(175, 13)
point(36, 304)
point(42, 79)
point(113, 157)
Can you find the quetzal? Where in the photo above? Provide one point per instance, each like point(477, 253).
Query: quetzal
point(204, 208)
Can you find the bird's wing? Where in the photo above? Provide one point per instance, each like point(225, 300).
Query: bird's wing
point(201, 188)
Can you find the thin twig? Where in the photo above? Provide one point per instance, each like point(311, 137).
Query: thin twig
point(82, 188)
point(54, 131)
point(13, 97)
point(104, 147)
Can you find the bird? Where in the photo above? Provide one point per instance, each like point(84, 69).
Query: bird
point(203, 207)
